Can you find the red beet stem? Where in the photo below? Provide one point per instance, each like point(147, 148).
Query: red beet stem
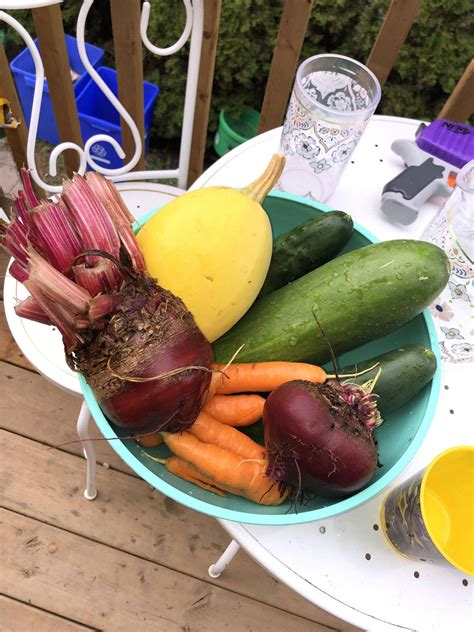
point(55, 235)
point(28, 187)
point(90, 217)
point(120, 215)
point(31, 309)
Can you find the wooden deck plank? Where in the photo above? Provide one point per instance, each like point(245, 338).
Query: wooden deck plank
point(21, 617)
point(9, 351)
point(48, 414)
point(128, 515)
point(112, 590)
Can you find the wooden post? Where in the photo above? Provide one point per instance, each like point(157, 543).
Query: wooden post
point(392, 35)
point(212, 12)
point(129, 64)
point(17, 138)
point(460, 104)
point(293, 25)
point(50, 31)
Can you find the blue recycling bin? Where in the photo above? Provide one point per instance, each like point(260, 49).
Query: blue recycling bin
point(23, 70)
point(98, 116)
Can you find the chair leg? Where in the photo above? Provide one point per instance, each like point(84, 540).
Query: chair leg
point(89, 451)
point(225, 559)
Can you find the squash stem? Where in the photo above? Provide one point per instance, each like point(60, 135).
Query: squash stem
point(259, 189)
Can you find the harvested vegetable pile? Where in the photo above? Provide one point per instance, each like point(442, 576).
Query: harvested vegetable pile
point(274, 426)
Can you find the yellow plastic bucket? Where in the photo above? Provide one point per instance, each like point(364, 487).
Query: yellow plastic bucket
point(431, 515)
point(447, 505)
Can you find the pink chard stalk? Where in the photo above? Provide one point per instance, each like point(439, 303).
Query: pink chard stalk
point(51, 243)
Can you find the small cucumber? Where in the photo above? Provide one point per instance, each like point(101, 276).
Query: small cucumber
point(357, 297)
point(405, 371)
point(306, 247)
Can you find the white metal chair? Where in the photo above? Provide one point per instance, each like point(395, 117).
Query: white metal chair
point(43, 346)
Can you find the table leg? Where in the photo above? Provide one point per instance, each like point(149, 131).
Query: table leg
point(225, 559)
point(89, 451)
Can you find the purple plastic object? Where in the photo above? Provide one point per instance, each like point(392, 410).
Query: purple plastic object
point(449, 141)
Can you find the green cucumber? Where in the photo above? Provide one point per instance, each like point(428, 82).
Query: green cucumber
point(358, 297)
point(405, 371)
point(306, 247)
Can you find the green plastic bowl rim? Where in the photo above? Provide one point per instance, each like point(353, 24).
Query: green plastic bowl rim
point(222, 513)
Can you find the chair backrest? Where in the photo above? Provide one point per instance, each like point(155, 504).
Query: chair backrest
point(129, 26)
point(390, 39)
point(129, 30)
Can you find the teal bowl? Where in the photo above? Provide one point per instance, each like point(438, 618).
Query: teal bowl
point(398, 438)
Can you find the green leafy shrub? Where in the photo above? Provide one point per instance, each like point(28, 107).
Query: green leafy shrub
point(433, 58)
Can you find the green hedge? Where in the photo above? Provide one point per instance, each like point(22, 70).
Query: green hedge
point(437, 51)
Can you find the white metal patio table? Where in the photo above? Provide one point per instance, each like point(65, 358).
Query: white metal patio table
point(344, 564)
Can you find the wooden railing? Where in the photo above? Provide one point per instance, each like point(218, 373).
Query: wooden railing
point(390, 39)
point(212, 12)
point(49, 29)
point(129, 66)
point(460, 104)
point(128, 57)
point(18, 137)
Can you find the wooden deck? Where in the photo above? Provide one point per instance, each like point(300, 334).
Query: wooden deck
point(132, 560)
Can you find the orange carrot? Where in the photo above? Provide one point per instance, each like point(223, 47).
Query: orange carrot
point(235, 410)
point(188, 472)
point(150, 440)
point(262, 376)
point(209, 430)
point(227, 470)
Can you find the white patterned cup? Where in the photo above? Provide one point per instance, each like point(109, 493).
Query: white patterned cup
point(332, 101)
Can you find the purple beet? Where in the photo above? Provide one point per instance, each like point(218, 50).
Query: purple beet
point(318, 439)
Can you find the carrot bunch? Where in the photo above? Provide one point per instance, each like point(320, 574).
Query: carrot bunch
point(220, 458)
point(213, 453)
point(230, 410)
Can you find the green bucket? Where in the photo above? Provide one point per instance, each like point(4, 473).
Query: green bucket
point(235, 129)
